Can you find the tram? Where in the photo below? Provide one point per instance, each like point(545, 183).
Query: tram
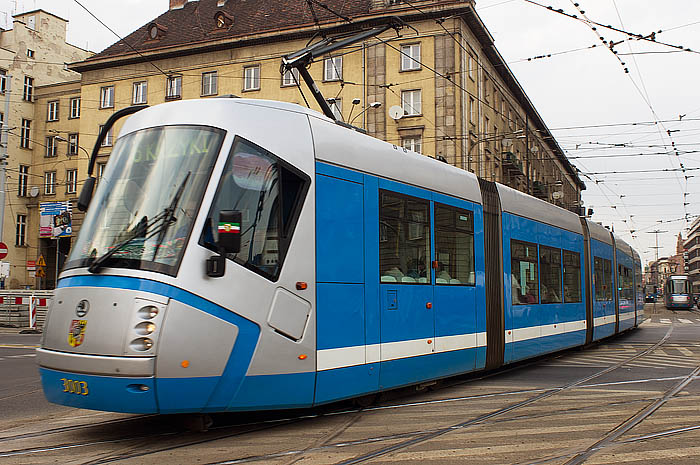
point(243, 255)
point(677, 293)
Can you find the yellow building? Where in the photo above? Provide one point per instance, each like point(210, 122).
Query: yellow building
point(438, 86)
point(33, 54)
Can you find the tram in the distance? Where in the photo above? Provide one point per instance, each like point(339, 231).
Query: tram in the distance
point(246, 254)
point(677, 294)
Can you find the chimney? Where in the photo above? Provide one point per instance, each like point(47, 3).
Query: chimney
point(177, 4)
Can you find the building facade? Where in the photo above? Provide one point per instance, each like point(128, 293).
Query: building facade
point(33, 54)
point(438, 87)
point(692, 249)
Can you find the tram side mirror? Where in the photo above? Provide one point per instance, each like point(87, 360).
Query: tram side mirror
point(86, 194)
point(229, 230)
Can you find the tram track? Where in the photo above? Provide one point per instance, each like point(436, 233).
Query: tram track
point(611, 437)
point(407, 439)
point(502, 411)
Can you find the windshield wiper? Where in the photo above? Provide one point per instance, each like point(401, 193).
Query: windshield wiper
point(165, 218)
point(170, 215)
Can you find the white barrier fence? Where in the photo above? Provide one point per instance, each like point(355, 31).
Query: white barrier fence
point(24, 309)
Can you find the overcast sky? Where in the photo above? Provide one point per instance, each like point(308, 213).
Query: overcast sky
point(582, 92)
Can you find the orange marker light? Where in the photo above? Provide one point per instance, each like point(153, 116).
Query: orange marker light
point(301, 285)
point(185, 363)
point(302, 357)
point(430, 341)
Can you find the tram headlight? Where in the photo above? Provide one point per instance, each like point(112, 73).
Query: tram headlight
point(145, 328)
point(141, 344)
point(148, 312)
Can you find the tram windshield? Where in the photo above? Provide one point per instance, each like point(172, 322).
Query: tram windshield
point(145, 205)
point(679, 286)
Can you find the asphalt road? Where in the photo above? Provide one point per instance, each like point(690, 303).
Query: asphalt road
point(21, 398)
point(632, 399)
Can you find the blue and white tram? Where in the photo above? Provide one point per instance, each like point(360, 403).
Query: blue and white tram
point(246, 254)
point(677, 293)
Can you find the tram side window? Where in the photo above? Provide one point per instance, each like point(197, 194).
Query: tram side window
point(524, 277)
point(550, 275)
point(602, 269)
point(404, 239)
point(454, 246)
point(624, 280)
point(607, 276)
point(572, 277)
point(269, 193)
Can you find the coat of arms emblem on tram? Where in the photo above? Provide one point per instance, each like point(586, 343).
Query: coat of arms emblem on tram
point(76, 333)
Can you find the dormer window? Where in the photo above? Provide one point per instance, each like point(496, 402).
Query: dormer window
point(223, 20)
point(156, 31)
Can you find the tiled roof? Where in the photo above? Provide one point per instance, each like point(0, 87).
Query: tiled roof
point(196, 23)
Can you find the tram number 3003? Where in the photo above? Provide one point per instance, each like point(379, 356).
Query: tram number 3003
point(75, 387)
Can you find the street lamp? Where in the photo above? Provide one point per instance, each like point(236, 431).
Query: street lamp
point(63, 139)
point(371, 105)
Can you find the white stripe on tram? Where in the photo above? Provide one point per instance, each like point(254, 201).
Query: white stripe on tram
point(341, 357)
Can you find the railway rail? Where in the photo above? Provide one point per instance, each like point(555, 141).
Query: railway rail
point(158, 437)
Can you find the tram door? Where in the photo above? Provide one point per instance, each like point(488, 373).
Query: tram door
point(406, 290)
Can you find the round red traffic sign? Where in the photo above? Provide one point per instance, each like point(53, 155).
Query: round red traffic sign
point(3, 250)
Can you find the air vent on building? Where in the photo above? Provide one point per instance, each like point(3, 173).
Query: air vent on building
point(156, 31)
point(223, 20)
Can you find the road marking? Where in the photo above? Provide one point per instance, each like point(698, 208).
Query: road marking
point(683, 320)
point(21, 356)
point(665, 321)
point(17, 346)
point(685, 351)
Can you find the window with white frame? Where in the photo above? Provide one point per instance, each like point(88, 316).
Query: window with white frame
point(414, 143)
point(173, 87)
point(72, 144)
point(410, 57)
point(290, 77)
point(209, 83)
point(411, 102)
point(3, 80)
point(28, 94)
point(25, 133)
point(52, 111)
point(140, 93)
point(22, 180)
point(71, 181)
point(472, 110)
point(107, 97)
point(337, 108)
point(472, 68)
point(49, 182)
point(100, 170)
point(21, 231)
point(107, 142)
point(30, 53)
point(51, 145)
point(251, 78)
point(75, 107)
point(333, 69)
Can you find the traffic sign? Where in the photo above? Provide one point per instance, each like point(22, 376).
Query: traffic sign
point(41, 261)
point(3, 250)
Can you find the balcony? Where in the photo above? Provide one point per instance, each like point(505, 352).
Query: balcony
point(512, 165)
point(539, 190)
